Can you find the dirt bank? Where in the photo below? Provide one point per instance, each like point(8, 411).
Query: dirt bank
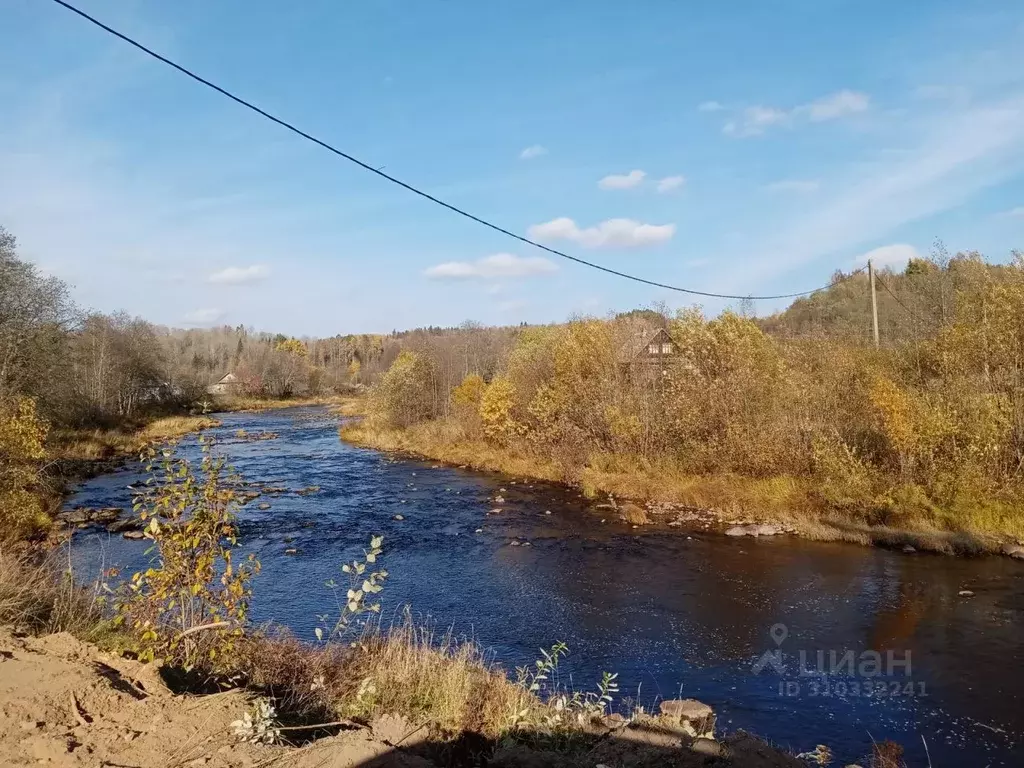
point(66, 703)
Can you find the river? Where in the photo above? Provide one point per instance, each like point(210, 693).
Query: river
point(672, 613)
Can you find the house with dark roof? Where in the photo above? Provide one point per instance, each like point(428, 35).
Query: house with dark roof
point(649, 353)
point(226, 385)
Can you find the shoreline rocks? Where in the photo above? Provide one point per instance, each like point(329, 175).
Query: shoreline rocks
point(753, 530)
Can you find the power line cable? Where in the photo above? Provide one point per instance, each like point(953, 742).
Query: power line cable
point(411, 188)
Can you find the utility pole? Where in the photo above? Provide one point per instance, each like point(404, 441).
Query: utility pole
point(874, 302)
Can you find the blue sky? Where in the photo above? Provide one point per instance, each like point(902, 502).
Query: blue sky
point(739, 148)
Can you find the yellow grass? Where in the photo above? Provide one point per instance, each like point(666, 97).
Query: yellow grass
point(432, 679)
point(440, 441)
point(231, 403)
point(36, 597)
point(93, 444)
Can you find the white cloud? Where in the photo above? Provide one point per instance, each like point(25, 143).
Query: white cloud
point(800, 186)
point(204, 316)
point(531, 152)
point(612, 233)
point(836, 105)
point(495, 266)
point(896, 256)
point(709, 106)
point(755, 120)
point(1015, 213)
point(670, 183)
point(622, 181)
point(240, 275)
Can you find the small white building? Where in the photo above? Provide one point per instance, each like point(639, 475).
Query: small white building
point(227, 385)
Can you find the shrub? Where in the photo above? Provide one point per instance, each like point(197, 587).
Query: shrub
point(497, 406)
point(22, 438)
point(190, 606)
point(406, 393)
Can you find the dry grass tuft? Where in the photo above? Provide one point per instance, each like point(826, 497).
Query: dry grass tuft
point(438, 679)
point(634, 514)
point(887, 754)
point(37, 595)
point(406, 670)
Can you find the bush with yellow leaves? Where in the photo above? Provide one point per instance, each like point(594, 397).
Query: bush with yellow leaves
point(22, 450)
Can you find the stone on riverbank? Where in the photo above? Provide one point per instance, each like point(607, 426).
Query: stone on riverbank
point(1016, 551)
point(685, 709)
point(709, 747)
point(753, 530)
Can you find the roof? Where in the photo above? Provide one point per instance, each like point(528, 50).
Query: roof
point(227, 378)
point(641, 340)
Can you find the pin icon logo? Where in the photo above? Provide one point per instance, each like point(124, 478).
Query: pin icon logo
point(778, 633)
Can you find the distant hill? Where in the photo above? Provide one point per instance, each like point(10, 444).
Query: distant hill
point(913, 303)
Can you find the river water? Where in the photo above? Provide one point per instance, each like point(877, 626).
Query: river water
point(862, 643)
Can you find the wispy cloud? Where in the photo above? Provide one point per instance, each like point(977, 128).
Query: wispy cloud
point(836, 105)
point(940, 92)
point(951, 161)
point(240, 275)
point(1014, 213)
point(532, 152)
point(622, 181)
point(201, 317)
point(896, 255)
point(755, 120)
point(709, 106)
point(498, 265)
point(612, 233)
point(670, 183)
point(799, 186)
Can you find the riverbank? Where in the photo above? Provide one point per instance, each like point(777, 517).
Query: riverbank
point(234, 404)
point(723, 503)
point(398, 697)
point(77, 445)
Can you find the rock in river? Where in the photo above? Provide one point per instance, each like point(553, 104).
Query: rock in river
point(128, 524)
